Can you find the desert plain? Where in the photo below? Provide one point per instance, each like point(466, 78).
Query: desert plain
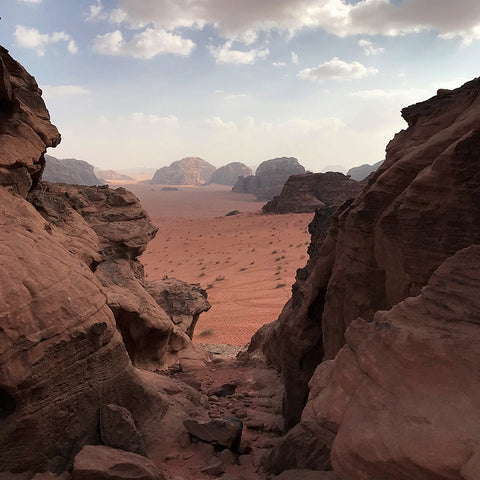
point(245, 262)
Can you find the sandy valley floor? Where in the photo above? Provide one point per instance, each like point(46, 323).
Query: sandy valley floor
point(246, 262)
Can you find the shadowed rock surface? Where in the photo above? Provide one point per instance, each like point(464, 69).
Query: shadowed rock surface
point(69, 170)
point(269, 178)
point(308, 192)
point(228, 174)
point(22, 115)
point(363, 171)
point(183, 302)
point(187, 171)
point(417, 211)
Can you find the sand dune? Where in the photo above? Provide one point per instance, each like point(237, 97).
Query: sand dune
point(246, 262)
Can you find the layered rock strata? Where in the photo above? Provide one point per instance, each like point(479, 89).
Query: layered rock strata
point(70, 170)
point(392, 395)
point(228, 174)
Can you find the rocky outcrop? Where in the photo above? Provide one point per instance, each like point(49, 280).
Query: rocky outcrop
point(228, 174)
point(311, 191)
point(269, 178)
point(62, 349)
point(22, 115)
point(187, 171)
point(363, 171)
point(69, 170)
point(382, 248)
point(183, 302)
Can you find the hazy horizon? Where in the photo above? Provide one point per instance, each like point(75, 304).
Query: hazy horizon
point(148, 82)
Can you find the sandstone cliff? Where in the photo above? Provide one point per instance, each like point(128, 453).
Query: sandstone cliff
point(228, 174)
point(69, 170)
point(75, 312)
point(269, 178)
point(308, 192)
point(187, 171)
point(395, 402)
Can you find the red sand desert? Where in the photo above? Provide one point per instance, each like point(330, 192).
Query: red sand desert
point(246, 262)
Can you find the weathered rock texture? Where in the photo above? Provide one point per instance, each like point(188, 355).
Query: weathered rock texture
point(228, 174)
point(311, 191)
point(69, 170)
point(187, 171)
point(62, 356)
point(183, 302)
point(22, 115)
point(363, 171)
point(269, 178)
point(409, 371)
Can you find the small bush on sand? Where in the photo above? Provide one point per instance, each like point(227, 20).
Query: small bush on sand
point(206, 333)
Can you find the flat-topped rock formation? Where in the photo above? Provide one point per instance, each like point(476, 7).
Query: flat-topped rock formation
point(187, 171)
point(311, 191)
point(70, 170)
point(387, 302)
point(228, 174)
point(363, 171)
point(269, 178)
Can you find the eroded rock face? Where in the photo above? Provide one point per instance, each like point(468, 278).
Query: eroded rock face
point(183, 302)
point(417, 365)
point(309, 192)
point(228, 174)
point(69, 170)
point(187, 171)
point(22, 115)
point(419, 208)
point(269, 178)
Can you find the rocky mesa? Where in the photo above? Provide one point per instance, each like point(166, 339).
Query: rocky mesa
point(269, 178)
point(187, 171)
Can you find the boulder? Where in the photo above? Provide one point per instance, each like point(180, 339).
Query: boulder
point(183, 302)
point(225, 432)
point(228, 174)
point(69, 170)
point(118, 429)
point(269, 178)
point(187, 171)
point(96, 462)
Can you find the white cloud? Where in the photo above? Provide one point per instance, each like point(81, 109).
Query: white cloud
point(95, 11)
point(31, 38)
point(369, 48)
point(337, 69)
point(294, 58)
point(279, 64)
point(340, 17)
point(59, 91)
point(225, 54)
point(169, 121)
point(147, 44)
point(29, 1)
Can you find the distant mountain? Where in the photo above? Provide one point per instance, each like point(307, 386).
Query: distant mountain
point(187, 171)
point(111, 175)
point(228, 174)
point(363, 171)
point(269, 178)
point(69, 170)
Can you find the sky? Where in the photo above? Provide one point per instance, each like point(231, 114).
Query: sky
point(143, 83)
